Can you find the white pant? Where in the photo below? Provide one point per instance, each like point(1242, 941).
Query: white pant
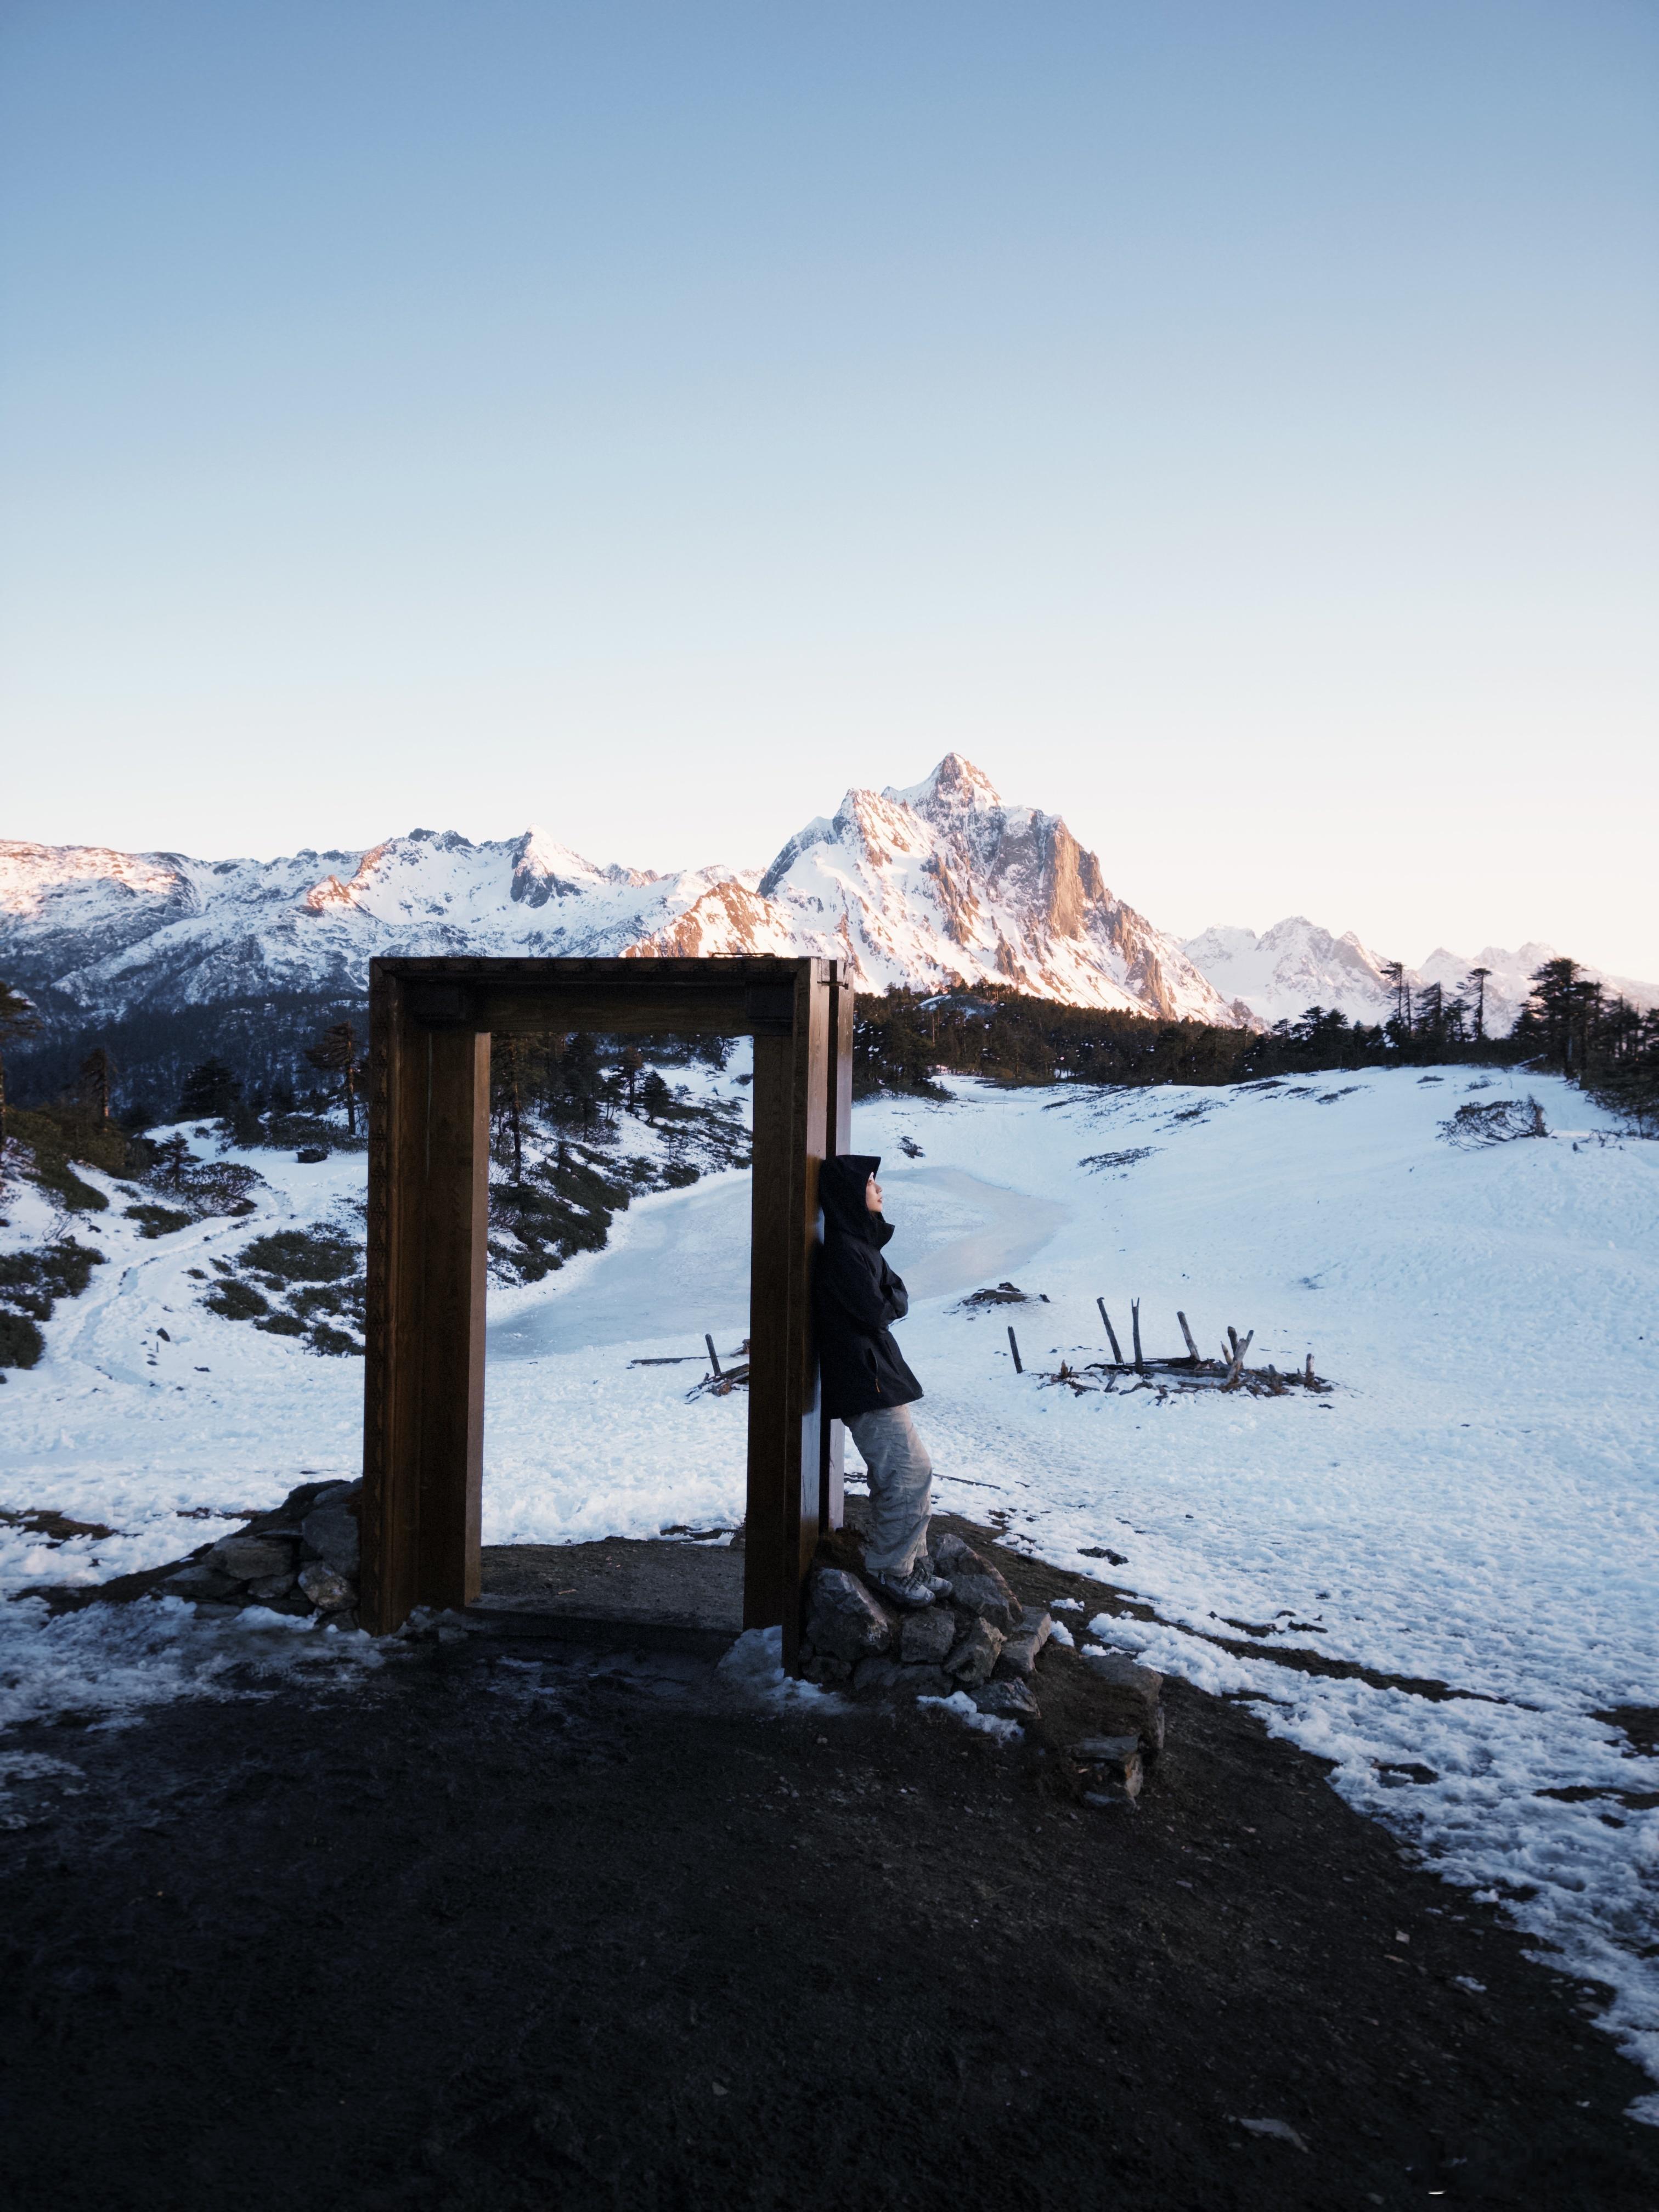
point(900, 1488)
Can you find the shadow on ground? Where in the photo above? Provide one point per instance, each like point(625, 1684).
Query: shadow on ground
point(509, 1927)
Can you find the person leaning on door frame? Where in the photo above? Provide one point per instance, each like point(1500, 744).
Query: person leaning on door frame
point(865, 1382)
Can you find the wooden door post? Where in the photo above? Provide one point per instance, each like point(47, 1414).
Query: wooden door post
point(837, 1139)
point(780, 1530)
point(424, 1383)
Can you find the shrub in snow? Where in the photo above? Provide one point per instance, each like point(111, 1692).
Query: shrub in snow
point(1497, 1123)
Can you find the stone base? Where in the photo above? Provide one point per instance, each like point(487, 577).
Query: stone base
point(301, 1558)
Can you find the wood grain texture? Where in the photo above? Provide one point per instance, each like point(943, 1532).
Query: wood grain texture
point(454, 1281)
point(837, 1139)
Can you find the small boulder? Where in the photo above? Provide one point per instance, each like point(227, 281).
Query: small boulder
point(331, 1529)
point(200, 1583)
point(1020, 1650)
point(1112, 1770)
point(272, 1587)
point(845, 1621)
point(827, 1672)
point(1007, 1700)
point(325, 1587)
point(954, 1555)
point(988, 1595)
point(1129, 1697)
point(977, 1655)
point(926, 1638)
point(926, 1682)
point(252, 1558)
point(875, 1677)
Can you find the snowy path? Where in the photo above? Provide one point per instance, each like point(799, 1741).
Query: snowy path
point(1477, 1502)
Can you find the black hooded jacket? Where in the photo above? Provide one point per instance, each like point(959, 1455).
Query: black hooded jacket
point(856, 1295)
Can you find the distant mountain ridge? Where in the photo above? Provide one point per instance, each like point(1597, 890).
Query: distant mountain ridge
point(924, 886)
point(929, 886)
point(1296, 964)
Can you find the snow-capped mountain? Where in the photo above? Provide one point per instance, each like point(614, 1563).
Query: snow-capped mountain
point(1296, 964)
point(941, 883)
point(112, 932)
point(938, 883)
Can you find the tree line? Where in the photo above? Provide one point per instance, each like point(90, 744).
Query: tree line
point(905, 1041)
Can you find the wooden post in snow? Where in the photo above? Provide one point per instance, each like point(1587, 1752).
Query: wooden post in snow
point(1014, 1347)
point(713, 1356)
point(1134, 1325)
point(1187, 1334)
point(1111, 1333)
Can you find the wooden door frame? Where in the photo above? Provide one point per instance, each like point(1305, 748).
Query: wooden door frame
point(430, 1025)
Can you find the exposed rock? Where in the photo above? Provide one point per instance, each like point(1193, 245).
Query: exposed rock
point(830, 1674)
point(273, 1586)
point(977, 1655)
point(252, 1558)
point(331, 1529)
point(988, 1595)
point(873, 1677)
point(925, 1682)
point(1131, 1699)
point(199, 1583)
point(287, 1519)
point(955, 1555)
point(1008, 1700)
point(1112, 1769)
point(1020, 1650)
point(845, 1621)
point(1103, 1750)
point(926, 1638)
point(324, 1587)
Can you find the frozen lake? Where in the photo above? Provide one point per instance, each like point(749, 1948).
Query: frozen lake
point(678, 1263)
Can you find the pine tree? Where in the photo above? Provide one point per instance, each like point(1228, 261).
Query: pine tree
point(505, 1057)
point(97, 1077)
point(18, 1020)
point(211, 1091)
point(1478, 977)
point(336, 1053)
point(1394, 970)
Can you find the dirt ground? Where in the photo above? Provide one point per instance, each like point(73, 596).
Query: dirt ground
point(513, 1925)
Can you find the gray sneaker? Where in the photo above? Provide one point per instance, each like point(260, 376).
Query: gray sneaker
point(912, 1591)
point(940, 1585)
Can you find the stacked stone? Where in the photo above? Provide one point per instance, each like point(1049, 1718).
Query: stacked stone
point(979, 1639)
point(301, 1558)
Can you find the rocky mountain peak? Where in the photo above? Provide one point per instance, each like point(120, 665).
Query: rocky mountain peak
point(956, 787)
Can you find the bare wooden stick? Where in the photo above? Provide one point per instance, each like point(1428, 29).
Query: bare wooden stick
point(1013, 1346)
point(1187, 1333)
point(713, 1356)
point(1134, 1324)
point(1308, 1375)
point(1111, 1333)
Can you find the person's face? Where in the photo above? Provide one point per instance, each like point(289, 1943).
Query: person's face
point(873, 1195)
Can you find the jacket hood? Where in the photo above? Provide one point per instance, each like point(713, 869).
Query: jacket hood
point(841, 1194)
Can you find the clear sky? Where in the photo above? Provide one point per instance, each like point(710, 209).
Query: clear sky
point(1231, 422)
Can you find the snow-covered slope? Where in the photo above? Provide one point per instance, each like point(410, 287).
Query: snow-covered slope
point(929, 885)
point(1296, 964)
